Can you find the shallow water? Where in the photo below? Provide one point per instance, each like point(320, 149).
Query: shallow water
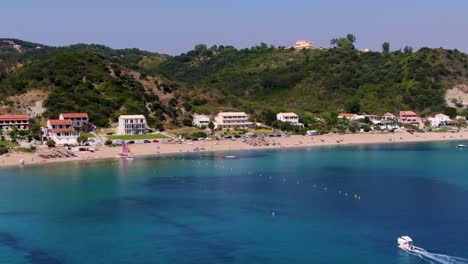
point(321, 205)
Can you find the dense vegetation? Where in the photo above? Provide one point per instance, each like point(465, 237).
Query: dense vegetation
point(323, 80)
point(261, 80)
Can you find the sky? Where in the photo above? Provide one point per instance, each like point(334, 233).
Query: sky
point(176, 26)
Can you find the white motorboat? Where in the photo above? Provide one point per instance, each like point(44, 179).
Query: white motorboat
point(406, 243)
point(461, 146)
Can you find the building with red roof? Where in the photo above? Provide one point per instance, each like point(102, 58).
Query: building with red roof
point(348, 116)
point(7, 122)
point(409, 117)
point(61, 131)
point(78, 119)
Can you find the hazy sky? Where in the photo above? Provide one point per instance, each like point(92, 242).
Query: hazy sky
point(175, 26)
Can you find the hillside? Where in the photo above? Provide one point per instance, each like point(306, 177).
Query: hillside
point(323, 80)
point(168, 89)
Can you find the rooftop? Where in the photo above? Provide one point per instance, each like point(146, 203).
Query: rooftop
point(132, 117)
point(288, 114)
point(231, 113)
point(58, 122)
point(407, 113)
point(74, 115)
point(14, 117)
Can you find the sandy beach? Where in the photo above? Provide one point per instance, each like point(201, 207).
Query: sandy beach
point(154, 149)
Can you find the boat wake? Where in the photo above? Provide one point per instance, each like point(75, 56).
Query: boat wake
point(406, 243)
point(437, 258)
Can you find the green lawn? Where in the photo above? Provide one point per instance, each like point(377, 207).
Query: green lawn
point(88, 135)
point(136, 137)
point(7, 143)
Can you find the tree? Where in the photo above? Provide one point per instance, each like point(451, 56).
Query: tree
point(187, 121)
point(50, 143)
point(386, 48)
point(268, 116)
point(13, 132)
point(408, 50)
point(211, 125)
point(353, 106)
point(82, 139)
point(450, 111)
point(344, 43)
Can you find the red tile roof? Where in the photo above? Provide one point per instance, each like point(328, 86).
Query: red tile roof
point(58, 122)
point(14, 117)
point(407, 113)
point(347, 115)
point(74, 115)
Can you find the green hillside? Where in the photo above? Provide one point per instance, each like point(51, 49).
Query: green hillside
point(105, 82)
point(323, 80)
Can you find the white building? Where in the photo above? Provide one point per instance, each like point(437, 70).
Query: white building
point(131, 125)
point(388, 116)
point(440, 120)
point(78, 119)
point(304, 44)
point(229, 120)
point(290, 118)
point(7, 122)
point(201, 120)
point(61, 131)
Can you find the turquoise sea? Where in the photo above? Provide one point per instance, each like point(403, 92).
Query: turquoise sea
point(318, 205)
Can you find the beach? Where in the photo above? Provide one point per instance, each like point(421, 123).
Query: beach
point(296, 141)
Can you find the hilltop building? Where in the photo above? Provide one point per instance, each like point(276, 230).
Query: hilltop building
point(131, 125)
point(304, 44)
point(7, 122)
point(230, 120)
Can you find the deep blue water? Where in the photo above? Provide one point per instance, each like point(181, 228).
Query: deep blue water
point(293, 206)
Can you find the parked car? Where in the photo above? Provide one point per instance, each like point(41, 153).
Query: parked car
point(146, 141)
point(155, 141)
point(109, 134)
point(139, 141)
point(131, 142)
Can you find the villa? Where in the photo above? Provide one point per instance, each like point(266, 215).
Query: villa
point(348, 116)
point(61, 131)
point(131, 125)
point(388, 116)
point(230, 120)
point(409, 117)
point(304, 44)
point(7, 122)
point(201, 120)
point(290, 118)
point(439, 120)
point(375, 119)
point(78, 119)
